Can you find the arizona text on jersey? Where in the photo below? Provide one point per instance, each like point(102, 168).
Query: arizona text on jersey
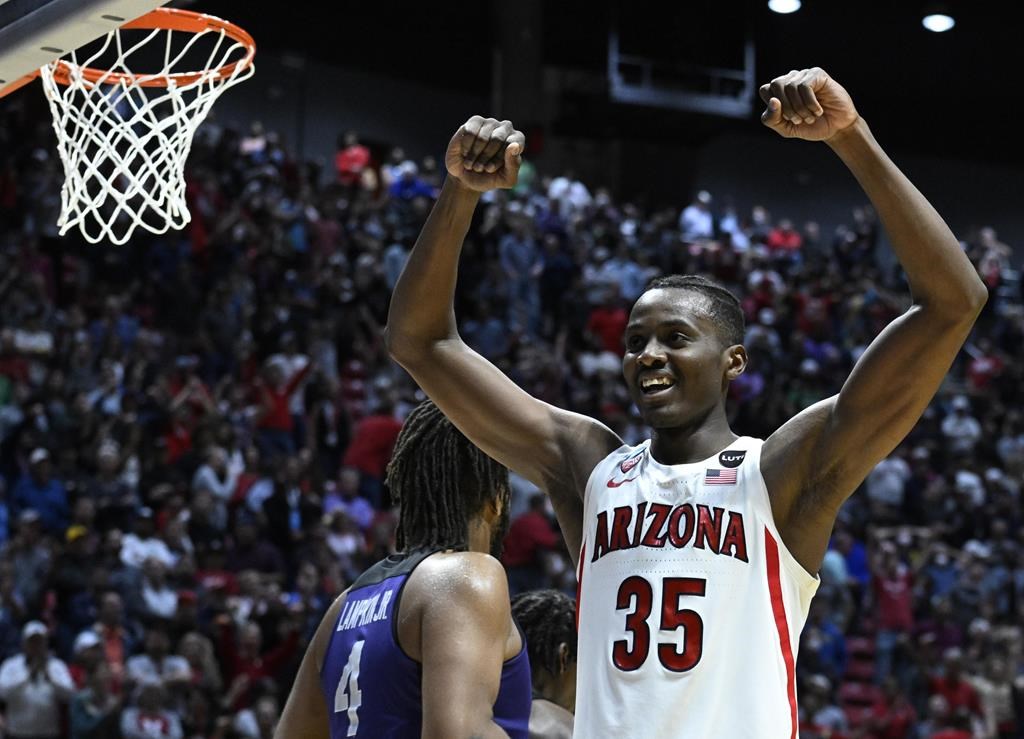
point(690, 606)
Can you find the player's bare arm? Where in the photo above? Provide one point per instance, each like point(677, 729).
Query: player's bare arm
point(305, 713)
point(816, 460)
point(554, 449)
point(461, 639)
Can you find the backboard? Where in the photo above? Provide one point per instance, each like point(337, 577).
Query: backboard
point(36, 32)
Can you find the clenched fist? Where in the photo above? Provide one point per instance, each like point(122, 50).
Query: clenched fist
point(485, 154)
point(807, 104)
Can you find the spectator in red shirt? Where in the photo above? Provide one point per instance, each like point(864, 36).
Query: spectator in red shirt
point(529, 537)
point(959, 694)
point(246, 663)
point(87, 655)
point(351, 160)
point(370, 451)
point(13, 365)
point(608, 322)
point(985, 366)
point(892, 716)
point(276, 425)
point(893, 589)
point(784, 238)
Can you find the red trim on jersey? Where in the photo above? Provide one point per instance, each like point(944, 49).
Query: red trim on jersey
point(579, 583)
point(771, 549)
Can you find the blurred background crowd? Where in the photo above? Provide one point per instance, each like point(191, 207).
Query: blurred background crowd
point(194, 431)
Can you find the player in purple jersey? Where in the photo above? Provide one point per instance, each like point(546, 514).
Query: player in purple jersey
point(423, 643)
point(548, 618)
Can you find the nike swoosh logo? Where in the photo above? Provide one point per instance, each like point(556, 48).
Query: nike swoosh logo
point(614, 484)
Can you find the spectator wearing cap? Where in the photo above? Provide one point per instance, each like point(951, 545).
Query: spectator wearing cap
point(72, 571)
point(86, 656)
point(34, 685)
point(39, 491)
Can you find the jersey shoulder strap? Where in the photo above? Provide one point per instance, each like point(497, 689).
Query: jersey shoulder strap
point(394, 565)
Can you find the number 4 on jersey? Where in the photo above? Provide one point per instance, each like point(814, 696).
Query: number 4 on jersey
point(348, 697)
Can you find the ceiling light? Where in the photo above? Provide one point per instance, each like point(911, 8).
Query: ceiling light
point(938, 22)
point(784, 6)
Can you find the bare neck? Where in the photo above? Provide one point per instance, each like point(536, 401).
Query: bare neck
point(695, 441)
point(479, 535)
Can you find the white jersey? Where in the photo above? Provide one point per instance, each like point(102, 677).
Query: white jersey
point(690, 606)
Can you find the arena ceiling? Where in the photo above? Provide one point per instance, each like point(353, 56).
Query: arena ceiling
point(955, 93)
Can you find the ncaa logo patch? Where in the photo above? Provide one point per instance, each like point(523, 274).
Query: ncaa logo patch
point(631, 463)
point(732, 458)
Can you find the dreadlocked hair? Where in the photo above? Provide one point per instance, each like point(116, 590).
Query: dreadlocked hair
point(548, 618)
point(724, 307)
point(440, 480)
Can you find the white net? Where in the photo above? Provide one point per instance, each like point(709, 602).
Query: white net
point(123, 137)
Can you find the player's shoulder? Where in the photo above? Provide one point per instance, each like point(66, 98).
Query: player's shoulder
point(474, 577)
point(585, 441)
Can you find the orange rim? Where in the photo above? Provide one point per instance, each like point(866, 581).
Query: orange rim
point(169, 19)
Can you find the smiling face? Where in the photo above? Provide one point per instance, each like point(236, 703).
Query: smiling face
point(677, 365)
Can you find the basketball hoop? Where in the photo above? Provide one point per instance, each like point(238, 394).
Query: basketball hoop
point(124, 136)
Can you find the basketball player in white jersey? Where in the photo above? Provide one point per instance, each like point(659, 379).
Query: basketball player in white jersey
point(696, 550)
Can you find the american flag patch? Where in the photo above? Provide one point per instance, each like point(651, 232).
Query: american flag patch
point(720, 477)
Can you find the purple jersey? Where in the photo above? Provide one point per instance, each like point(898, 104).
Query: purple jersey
point(372, 687)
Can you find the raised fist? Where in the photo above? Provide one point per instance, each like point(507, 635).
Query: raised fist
point(485, 154)
point(807, 104)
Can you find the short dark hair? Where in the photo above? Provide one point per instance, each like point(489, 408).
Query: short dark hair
point(441, 480)
point(548, 619)
point(725, 308)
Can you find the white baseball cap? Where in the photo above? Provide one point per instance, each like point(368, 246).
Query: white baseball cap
point(34, 628)
point(86, 640)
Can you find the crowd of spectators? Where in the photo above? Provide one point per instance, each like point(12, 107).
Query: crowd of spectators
point(194, 430)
